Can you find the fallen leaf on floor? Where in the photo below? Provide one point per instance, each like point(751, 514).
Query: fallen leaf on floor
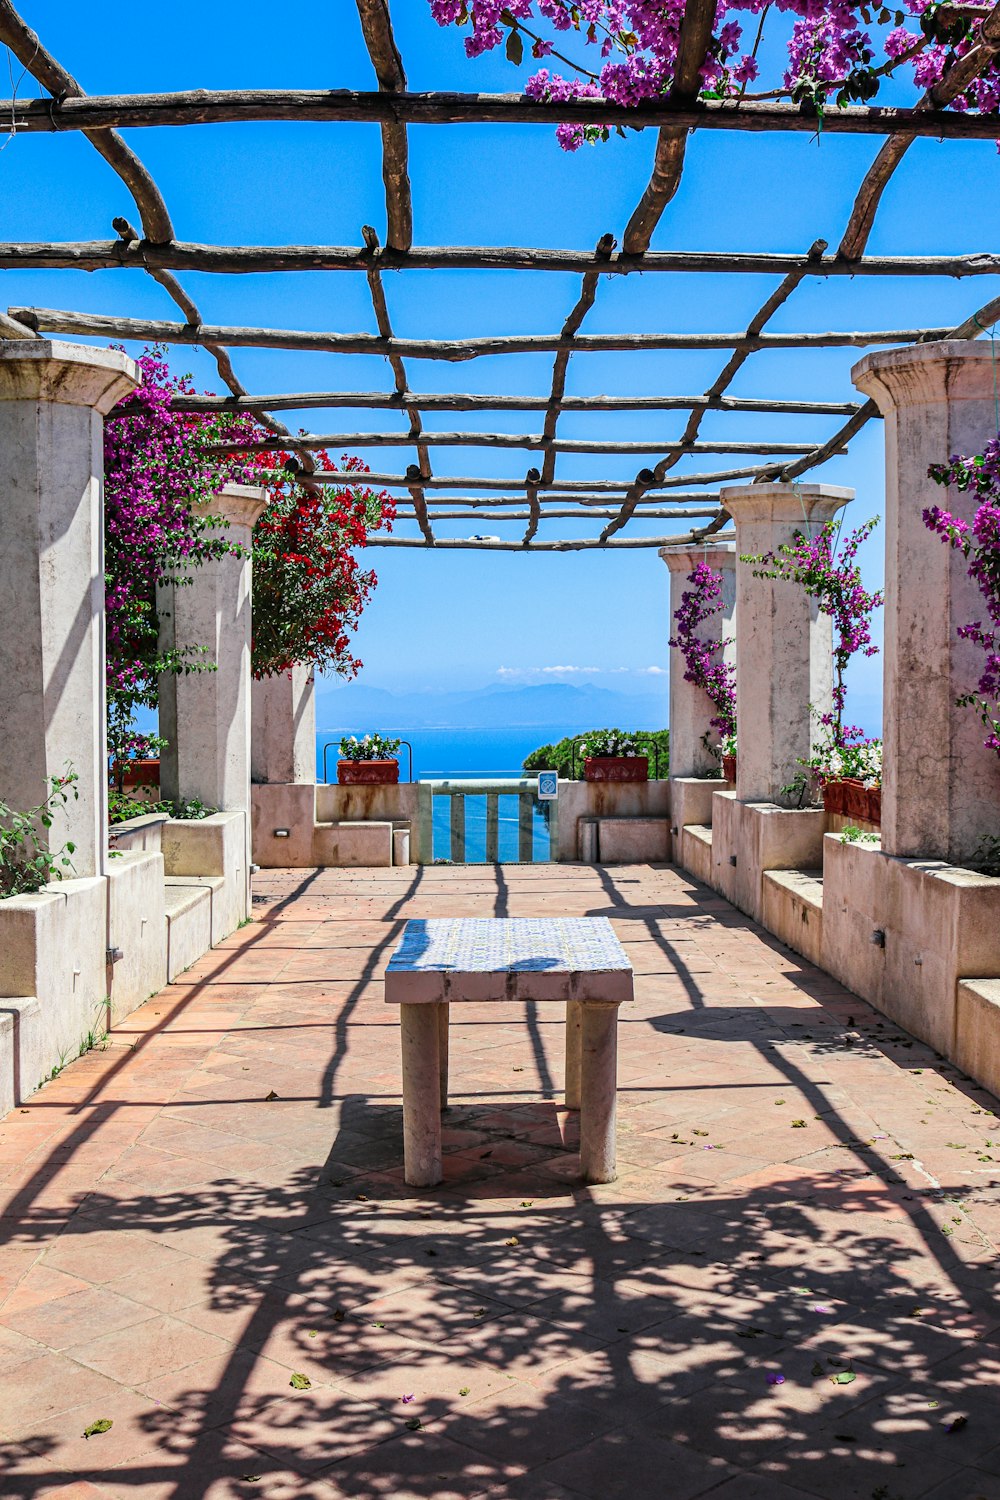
point(300, 1383)
point(463, 1390)
point(798, 1124)
point(527, 1202)
point(378, 1325)
point(843, 1377)
point(818, 1369)
point(406, 1399)
point(517, 1070)
point(104, 1424)
point(513, 1240)
point(699, 1132)
point(313, 1333)
point(339, 1315)
point(414, 1424)
point(480, 1312)
point(250, 1478)
point(270, 1096)
point(957, 1424)
point(775, 1378)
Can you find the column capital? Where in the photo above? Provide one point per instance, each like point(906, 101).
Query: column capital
point(65, 374)
point(686, 559)
point(811, 504)
point(921, 374)
point(238, 504)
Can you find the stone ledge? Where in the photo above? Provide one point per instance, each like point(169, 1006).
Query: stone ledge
point(792, 908)
point(977, 1031)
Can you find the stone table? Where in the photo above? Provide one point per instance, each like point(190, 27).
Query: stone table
point(577, 961)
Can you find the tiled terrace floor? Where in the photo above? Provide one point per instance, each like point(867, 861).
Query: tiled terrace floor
point(789, 1291)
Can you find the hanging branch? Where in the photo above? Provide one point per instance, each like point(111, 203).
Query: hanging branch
point(692, 47)
point(754, 329)
point(381, 310)
point(955, 81)
point(376, 25)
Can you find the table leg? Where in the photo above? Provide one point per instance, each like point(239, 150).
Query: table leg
point(419, 1029)
point(573, 1008)
point(443, 1018)
point(598, 1092)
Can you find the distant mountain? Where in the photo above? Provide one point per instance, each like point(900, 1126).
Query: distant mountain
point(545, 704)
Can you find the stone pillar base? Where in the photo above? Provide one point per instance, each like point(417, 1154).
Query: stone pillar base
point(902, 933)
point(751, 837)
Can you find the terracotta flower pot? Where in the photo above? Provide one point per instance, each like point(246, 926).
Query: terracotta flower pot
point(142, 773)
point(367, 772)
point(855, 798)
point(875, 805)
point(834, 797)
point(729, 768)
point(616, 768)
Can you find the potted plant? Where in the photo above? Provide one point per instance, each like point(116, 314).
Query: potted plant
point(613, 755)
point(727, 752)
point(851, 775)
point(368, 762)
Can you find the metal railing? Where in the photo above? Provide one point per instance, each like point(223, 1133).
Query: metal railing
point(524, 789)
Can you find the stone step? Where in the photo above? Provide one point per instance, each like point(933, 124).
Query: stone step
point(187, 900)
point(23, 1059)
point(793, 909)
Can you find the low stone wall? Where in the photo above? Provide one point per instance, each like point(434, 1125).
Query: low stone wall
point(81, 954)
point(917, 938)
point(619, 801)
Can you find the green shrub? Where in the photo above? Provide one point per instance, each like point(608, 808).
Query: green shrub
point(559, 757)
point(26, 861)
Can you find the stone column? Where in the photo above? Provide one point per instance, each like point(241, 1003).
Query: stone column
point(941, 788)
point(205, 716)
point(691, 709)
point(53, 398)
point(783, 644)
point(283, 727)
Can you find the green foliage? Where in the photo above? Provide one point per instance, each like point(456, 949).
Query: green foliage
point(559, 757)
point(372, 747)
point(26, 860)
point(122, 807)
point(852, 834)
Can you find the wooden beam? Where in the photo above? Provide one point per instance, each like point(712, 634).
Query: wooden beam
point(245, 260)
point(580, 544)
point(315, 442)
point(449, 482)
point(668, 165)
point(570, 329)
point(549, 514)
point(447, 401)
point(94, 325)
point(376, 24)
point(534, 509)
point(331, 106)
point(547, 501)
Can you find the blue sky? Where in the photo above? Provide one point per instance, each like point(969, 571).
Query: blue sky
point(457, 619)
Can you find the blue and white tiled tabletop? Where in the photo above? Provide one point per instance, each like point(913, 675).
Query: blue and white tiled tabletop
point(508, 958)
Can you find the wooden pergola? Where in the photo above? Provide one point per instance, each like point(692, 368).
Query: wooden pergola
point(651, 492)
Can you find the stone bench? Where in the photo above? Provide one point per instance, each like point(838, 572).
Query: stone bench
point(576, 961)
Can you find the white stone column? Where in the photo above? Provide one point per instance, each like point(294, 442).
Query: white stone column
point(941, 787)
point(53, 398)
point(691, 709)
point(205, 716)
point(783, 644)
point(283, 727)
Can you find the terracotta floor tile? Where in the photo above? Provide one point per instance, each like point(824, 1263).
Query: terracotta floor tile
point(193, 1245)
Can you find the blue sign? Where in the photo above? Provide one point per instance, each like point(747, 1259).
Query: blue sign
point(548, 785)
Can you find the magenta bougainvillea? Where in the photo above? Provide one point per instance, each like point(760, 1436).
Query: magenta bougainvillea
point(160, 480)
point(980, 543)
point(703, 664)
point(830, 574)
point(837, 51)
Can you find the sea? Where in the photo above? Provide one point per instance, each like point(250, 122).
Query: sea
point(469, 755)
